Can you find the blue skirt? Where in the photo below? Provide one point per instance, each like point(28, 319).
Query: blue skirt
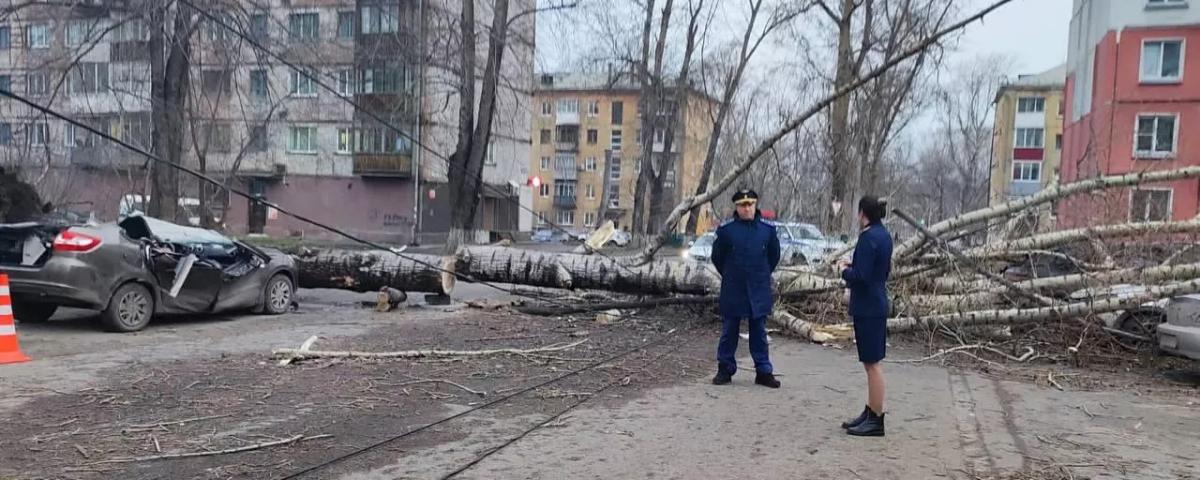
point(870, 335)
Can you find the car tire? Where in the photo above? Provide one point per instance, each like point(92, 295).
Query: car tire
point(129, 310)
point(33, 312)
point(278, 295)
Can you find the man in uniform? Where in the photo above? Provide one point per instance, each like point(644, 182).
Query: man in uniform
point(745, 253)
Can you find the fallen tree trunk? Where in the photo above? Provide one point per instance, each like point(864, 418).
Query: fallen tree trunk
point(373, 271)
point(1052, 239)
point(1015, 316)
point(1046, 195)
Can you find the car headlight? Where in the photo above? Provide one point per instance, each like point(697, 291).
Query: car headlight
point(685, 254)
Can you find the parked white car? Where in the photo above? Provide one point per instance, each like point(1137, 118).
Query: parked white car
point(701, 249)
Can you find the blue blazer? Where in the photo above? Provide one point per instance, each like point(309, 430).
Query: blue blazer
point(868, 273)
point(745, 254)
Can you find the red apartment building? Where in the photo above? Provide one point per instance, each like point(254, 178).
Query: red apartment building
point(1132, 104)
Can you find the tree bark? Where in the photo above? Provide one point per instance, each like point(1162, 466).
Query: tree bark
point(170, 71)
point(1046, 195)
point(1047, 240)
point(374, 271)
point(650, 100)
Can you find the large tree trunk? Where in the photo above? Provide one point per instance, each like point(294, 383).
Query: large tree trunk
point(169, 86)
point(650, 101)
point(372, 271)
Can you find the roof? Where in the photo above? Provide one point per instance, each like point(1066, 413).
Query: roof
point(584, 81)
point(1052, 79)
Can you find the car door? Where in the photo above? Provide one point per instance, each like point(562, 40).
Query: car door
point(188, 283)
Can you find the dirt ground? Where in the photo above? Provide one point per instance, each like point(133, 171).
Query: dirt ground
point(94, 405)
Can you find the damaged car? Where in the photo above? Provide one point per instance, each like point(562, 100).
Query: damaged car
point(139, 268)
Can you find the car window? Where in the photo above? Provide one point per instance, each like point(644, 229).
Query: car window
point(705, 240)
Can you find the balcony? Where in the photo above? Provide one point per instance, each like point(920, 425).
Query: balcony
point(566, 146)
point(383, 165)
point(1023, 188)
point(564, 202)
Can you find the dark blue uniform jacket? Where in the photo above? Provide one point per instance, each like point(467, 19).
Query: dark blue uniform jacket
point(745, 253)
point(869, 271)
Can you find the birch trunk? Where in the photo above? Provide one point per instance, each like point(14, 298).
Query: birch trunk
point(373, 271)
point(1045, 196)
point(1123, 230)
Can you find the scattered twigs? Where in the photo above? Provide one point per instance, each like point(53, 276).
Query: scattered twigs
point(434, 380)
point(169, 456)
point(163, 425)
point(596, 307)
point(1029, 354)
point(1050, 378)
point(288, 359)
point(302, 354)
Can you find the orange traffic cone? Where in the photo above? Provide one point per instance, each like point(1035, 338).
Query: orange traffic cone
point(10, 352)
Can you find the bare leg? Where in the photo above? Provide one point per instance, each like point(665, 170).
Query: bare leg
point(874, 386)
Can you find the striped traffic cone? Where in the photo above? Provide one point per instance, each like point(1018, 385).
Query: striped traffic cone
point(10, 351)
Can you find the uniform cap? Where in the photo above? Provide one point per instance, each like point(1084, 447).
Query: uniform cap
point(745, 196)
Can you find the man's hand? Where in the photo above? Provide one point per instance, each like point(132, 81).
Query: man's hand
point(842, 265)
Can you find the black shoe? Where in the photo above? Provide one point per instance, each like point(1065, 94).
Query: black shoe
point(722, 378)
point(766, 380)
point(854, 423)
point(871, 427)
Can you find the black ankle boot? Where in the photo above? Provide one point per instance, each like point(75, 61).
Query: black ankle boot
point(861, 417)
point(766, 380)
point(722, 378)
point(872, 426)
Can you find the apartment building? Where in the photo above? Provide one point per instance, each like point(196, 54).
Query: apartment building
point(586, 152)
point(1027, 138)
point(347, 156)
point(1130, 93)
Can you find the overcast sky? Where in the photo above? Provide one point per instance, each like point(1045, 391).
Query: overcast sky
point(1033, 32)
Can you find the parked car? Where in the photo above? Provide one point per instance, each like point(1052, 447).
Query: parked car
point(139, 268)
point(621, 238)
point(701, 249)
point(544, 235)
point(803, 243)
point(1180, 334)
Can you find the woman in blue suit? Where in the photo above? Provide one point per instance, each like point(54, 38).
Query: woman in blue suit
point(867, 277)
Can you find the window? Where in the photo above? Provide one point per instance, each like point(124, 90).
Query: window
point(1150, 205)
point(214, 137)
point(345, 83)
point(564, 189)
point(345, 25)
point(545, 136)
point(593, 136)
point(303, 26)
point(1166, 4)
point(382, 140)
point(88, 78)
point(5, 133)
point(590, 164)
point(589, 219)
point(6, 82)
point(616, 141)
point(5, 37)
point(564, 165)
point(131, 30)
point(380, 19)
point(384, 80)
point(302, 85)
point(593, 108)
point(1155, 135)
point(545, 190)
point(136, 130)
point(1031, 105)
point(259, 28)
point(542, 217)
point(258, 139)
point(35, 83)
point(1027, 171)
point(215, 82)
point(568, 106)
point(344, 141)
point(1029, 137)
point(618, 113)
point(545, 163)
point(614, 196)
point(669, 180)
point(302, 140)
point(547, 110)
point(591, 192)
point(614, 169)
point(258, 84)
point(132, 77)
point(39, 134)
point(77, 32)
point(38, 36)
point(489, 158)
point(1058, 142)
point(1162, 61)
point(216, 28)
point(566, 217)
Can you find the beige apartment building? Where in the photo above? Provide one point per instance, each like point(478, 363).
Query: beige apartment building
point(586, 154)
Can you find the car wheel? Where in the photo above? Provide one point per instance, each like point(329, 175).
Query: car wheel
point(277, 295)
point(1144, 324)
point(129, 310)
point(33, 312)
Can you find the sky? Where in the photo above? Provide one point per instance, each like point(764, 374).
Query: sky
point(1033, 32)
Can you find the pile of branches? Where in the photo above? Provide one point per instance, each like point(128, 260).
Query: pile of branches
point(977, 271)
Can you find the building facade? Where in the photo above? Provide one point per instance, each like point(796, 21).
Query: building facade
point(346, 155)
point(1027, 139)
point(586, 155)
point(1131, 91)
